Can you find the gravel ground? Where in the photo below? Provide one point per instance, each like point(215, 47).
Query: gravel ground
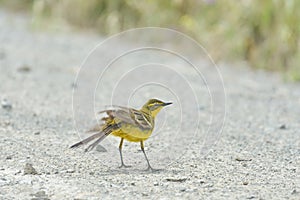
point(256, 157)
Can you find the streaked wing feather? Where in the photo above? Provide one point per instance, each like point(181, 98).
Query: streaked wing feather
point(129, 116)
point(140, 119)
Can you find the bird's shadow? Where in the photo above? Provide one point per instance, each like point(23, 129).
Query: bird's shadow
point(135, 171)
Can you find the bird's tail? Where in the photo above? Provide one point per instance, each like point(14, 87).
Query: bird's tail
point(87, 140)
point(100, 135)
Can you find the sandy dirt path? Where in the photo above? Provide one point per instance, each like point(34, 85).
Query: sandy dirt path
point(256, 157)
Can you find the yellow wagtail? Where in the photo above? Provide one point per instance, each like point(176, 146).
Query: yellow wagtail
point(127, 123)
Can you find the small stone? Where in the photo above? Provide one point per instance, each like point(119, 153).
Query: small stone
point(145, 194)
point(40, 193)
point(282, 127)
point(37, 133)
point(6, 105)
point(242, 159)
point(8, 157)
point(294, 191)
point(28, 169)
point(133, 183)
point(210, 185)
point(17, 172)
point(7, 123)
point(24, 68)
point(176, 179)
point(100, 148)
point(155, 184)
point(245, 183)
point(212, 190)
point(70, 170)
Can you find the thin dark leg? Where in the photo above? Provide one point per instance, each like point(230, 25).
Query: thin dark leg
point(121, 156)
point(149, 166)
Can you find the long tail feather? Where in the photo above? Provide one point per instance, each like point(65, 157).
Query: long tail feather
point(87, 140)
point(100, 135)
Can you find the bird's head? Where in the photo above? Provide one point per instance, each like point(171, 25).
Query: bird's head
point(154, 106)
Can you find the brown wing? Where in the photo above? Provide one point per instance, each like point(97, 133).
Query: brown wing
point(125, 115)
point(117, 118)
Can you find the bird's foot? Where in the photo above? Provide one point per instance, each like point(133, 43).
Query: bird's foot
point(150, 169)
point(124, 166)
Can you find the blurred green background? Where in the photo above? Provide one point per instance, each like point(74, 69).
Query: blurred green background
point(263, 33)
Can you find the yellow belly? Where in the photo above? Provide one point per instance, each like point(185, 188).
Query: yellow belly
point(134, 136)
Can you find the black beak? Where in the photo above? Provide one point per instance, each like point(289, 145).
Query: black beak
point(166, 104)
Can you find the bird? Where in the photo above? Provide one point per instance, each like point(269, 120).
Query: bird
point(129, 124)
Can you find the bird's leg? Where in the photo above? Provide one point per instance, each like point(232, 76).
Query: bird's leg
point(121, 156)
point(149, 166)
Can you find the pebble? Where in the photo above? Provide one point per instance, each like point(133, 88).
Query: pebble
point(7, 123)
point(245, 183)
point(145, 194)
point(100, 148)
point(282, 127)
point(294, 191)
point(155, 183)
point(242, 159)
point(70, 170)
point(6, 105)
point(212, 190)
point(8, 157)
point(29, 169)
point(176, 179)
point(24, 68)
